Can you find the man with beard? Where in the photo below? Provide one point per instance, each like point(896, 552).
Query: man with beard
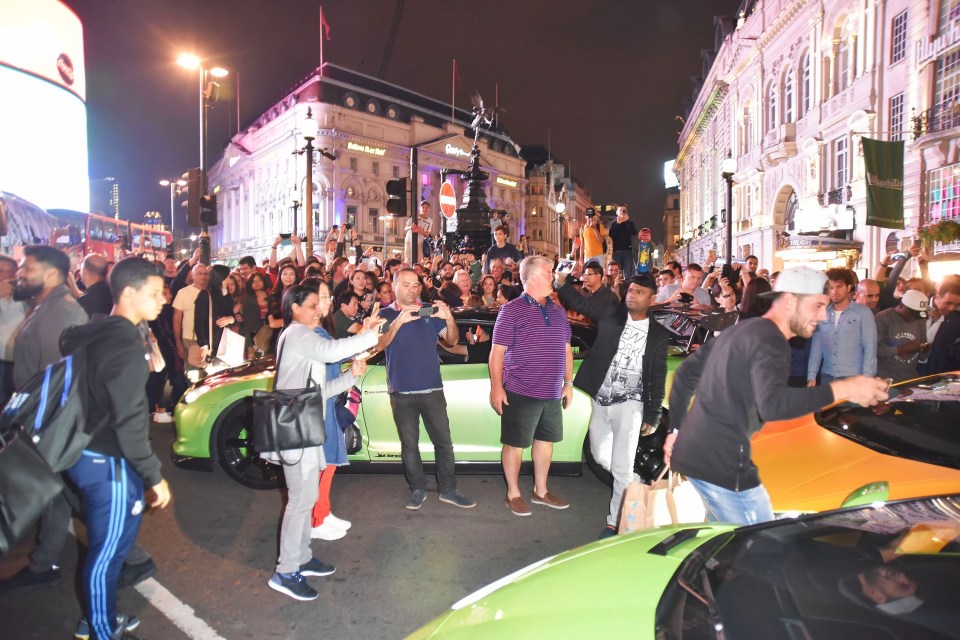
point(42, 279)
point(739, 377)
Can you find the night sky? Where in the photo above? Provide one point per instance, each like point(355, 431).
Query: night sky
point(604, 78)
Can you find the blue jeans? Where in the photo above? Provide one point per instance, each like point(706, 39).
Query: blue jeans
point(625, 258)
point(112, 505)
point(737, 507)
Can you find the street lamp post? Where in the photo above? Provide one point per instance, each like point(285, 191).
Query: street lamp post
point(727, 168)
point(174, 184)
point(309, 134)
point(207, 91)
point(310, 130)
point(560, 208)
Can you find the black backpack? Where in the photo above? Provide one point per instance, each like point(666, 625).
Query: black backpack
point(43, 431)
point(51, 410)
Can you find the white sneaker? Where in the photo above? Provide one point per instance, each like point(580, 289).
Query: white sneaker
point(162, 417)
point(339, 523)
point(327, 531)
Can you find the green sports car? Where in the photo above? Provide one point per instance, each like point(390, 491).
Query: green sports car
point(214, 415)
point(885, 571)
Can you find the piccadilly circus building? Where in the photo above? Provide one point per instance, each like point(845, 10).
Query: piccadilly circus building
point(787, 93)
point(372, 129)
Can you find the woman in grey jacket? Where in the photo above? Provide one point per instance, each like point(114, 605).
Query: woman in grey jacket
point(304, 363)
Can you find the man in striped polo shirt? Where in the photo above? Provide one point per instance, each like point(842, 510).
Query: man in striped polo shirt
point(531, 374)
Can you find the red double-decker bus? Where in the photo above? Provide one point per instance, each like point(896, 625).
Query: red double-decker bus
point(83, 233)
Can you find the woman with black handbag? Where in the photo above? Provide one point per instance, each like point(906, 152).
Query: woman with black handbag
point(325, 525)
point(305, 362)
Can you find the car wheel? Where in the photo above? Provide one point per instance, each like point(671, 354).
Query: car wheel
point(233, 441)
point(648, 459)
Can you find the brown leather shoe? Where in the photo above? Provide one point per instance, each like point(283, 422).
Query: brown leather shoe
point(517, 506)
point(548, 500)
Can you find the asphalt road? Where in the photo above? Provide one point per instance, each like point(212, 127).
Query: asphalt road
point(216, 546)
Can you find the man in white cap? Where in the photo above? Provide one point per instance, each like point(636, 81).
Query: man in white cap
point(902, 336)
point(739, 377)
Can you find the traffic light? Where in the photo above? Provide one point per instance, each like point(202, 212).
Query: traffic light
point(208, 209)
point(397, 197)
point(194, 190)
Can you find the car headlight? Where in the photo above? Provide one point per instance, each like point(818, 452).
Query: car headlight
point(493, 586)
point(193, 394)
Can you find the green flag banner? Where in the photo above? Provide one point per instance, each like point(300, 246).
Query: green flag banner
point(883, 162)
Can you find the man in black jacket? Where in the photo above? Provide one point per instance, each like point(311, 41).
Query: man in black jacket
point(625, 373)
point(118, 463)
point(740, 382)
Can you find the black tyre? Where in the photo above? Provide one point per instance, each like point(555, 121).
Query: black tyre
point(649, 457)
point(233, 442)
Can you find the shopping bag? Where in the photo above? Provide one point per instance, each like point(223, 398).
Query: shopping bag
point(231, 350)
point(636, 511)
point(677, 502)
point(668, 500)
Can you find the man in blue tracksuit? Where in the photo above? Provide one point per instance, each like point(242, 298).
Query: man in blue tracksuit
point(118, 462)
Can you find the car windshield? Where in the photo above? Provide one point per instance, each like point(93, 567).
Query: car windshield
point(876, 572)
point(921, 421)
point(689, 327)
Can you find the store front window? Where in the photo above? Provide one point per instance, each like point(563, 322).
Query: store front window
point(944, 193)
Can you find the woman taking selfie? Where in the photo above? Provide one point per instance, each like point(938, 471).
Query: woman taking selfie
point(325, 525)
point(305, 363)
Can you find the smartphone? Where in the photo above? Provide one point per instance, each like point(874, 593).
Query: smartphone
point(285, 239)
point(425, 312)
point(565, 266)
point(377, 248)
point(685, 298)
point(727, 272)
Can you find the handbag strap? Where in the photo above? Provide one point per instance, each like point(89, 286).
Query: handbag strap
point(210, 326)
point(276, 367)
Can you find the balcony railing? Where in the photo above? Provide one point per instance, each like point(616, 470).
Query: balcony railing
point(837, 196)
point(939, 118)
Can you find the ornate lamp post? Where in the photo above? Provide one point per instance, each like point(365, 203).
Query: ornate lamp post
point(308, 131)
point(727, 168)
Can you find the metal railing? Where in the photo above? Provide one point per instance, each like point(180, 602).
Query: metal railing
point(939, 118)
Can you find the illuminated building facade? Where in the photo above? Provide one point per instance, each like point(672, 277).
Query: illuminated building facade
point(370, 126)
point(788, 90)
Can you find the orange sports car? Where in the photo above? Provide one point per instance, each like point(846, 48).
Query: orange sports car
point(906, 447)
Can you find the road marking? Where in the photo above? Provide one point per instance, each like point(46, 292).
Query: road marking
point(181, 615)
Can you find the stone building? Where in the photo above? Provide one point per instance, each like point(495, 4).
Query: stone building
point(371, 127)
point(788, 90)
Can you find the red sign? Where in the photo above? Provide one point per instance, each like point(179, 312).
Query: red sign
point(448, 200)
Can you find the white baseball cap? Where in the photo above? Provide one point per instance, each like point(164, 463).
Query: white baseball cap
point(799, 281)
point(913, 299)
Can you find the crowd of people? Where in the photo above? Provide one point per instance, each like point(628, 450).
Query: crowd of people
point(839, 337)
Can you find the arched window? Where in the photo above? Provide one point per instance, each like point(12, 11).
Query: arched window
point(772, 101)
point(844, 65)
point(806, 99)
point(747, 128)
point(788, 92)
